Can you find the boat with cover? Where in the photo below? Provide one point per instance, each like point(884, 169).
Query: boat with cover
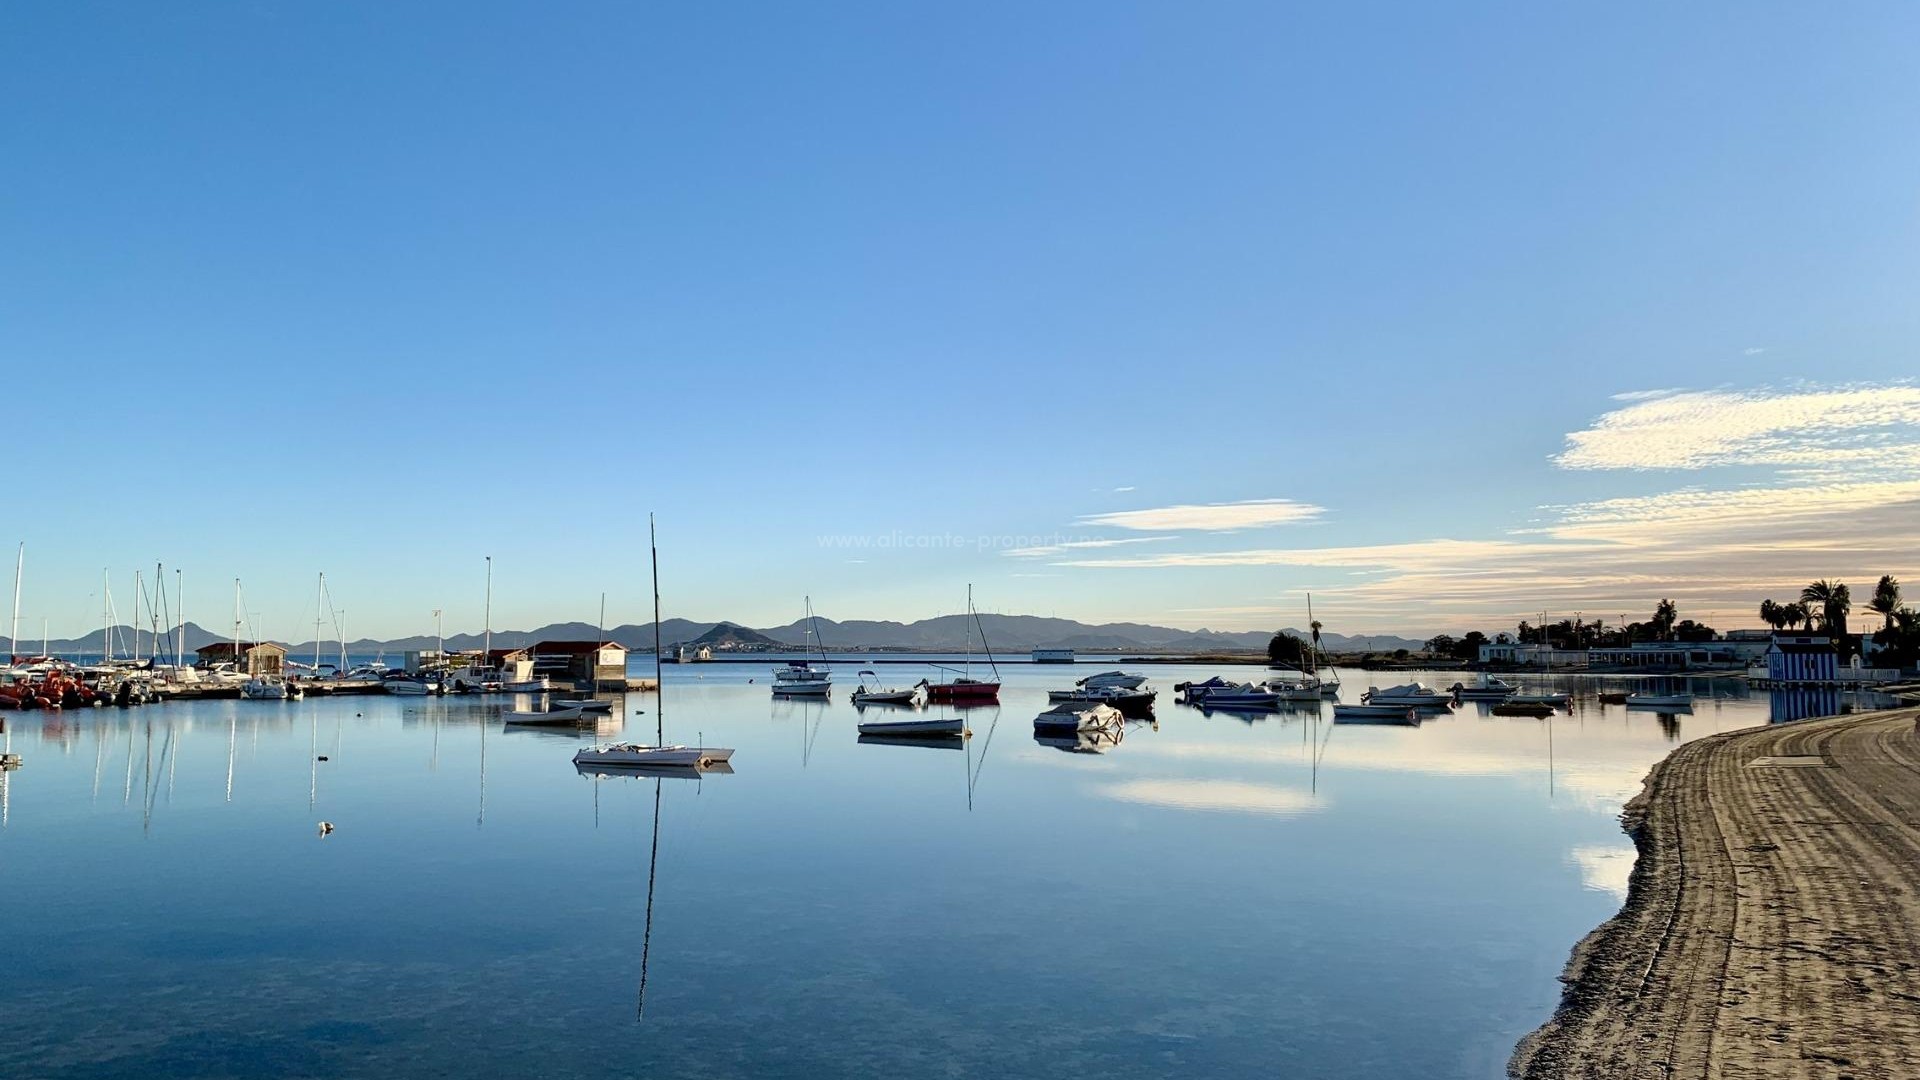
point(265, 688)
point(1126, 680)
point(1233, 696)
point(1491, 688)
point(410, 685)
point(962, 688)
point(877, 694)
point(1068, 716)
point(1194, 691)
point(1412, 695)
point(1304, 688)
point(630, 755)
point(1376, 714)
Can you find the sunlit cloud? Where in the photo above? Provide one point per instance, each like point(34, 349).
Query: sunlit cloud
point(1211, 517)
point(1228, 796)
point(1700, 429)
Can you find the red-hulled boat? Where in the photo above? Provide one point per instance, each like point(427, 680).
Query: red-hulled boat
point(959, 687)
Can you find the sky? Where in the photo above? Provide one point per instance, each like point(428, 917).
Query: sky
point(1169, 312)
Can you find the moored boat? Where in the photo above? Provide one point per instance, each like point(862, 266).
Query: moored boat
point(1375, 714)
point(564, 715)
point(1491, 688)
point(1126, 680)
point(1412, 695)
point(961, 688)
point(1126, 700)
point(1535, 710)
point(876, 694)
point(1659, 701)
point(1554, 699)
point(942, 727)
point(640, 755)
point(1070, 716)
point(1230, 695)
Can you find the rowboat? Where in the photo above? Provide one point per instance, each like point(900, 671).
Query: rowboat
point(1659, 701)
point(569, 716)
point(945, 727)
point(881, 695)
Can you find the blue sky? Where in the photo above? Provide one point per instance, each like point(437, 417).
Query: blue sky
point(872, 301)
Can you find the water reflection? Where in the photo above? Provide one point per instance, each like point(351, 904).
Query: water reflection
point(804, 914)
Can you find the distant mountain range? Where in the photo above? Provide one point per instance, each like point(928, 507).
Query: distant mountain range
point(946, 633)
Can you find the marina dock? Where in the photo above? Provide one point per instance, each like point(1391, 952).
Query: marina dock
point(1772, 927)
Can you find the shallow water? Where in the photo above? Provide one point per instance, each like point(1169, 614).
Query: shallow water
point(1213, 896)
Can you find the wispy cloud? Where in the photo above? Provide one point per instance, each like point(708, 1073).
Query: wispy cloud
point(1646, 395)
point(1043, 550)
point(1211, 517)
point(1700, 429)
point(1129, 487)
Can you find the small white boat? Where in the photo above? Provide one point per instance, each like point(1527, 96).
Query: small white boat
point(950, 728)
point(573, 717)
point(1069, 716)
point(1126, 680)
point(265, 688)
point(1660, 701)
point(1375, 714)
point(1491, 688)
point(882, 695)
point(410, 685)
point(800, 678)
point(586, 705)
point(1412, 695)
point(639, 755)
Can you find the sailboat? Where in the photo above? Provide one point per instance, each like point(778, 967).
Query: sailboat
point(961, 688)
point(640, 755)
point(800, 678)
point(1330, 684)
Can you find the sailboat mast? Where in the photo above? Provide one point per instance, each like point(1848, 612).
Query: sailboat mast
point(180, 601)
point(659, 688)
point(319, 605)
point(139, 590)
point(488, 638)
point(19, 564)
point(106, 616)
point(984, 647)
point(236, 624)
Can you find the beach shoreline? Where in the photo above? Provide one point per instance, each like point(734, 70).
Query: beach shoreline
point(1772, 923)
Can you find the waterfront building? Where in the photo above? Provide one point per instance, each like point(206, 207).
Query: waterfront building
point(254, 658)
point(580, 661)
point(1802, 658)
point(1053, 656)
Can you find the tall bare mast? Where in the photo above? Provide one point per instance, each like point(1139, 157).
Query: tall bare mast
point(659, 688)
point(487, 648)
point(180, 601)
point(19, 564)
point(319, 605)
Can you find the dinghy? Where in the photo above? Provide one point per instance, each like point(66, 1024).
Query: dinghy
point(949, 728)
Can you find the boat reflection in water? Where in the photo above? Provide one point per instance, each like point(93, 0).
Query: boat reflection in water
point(1085, 741)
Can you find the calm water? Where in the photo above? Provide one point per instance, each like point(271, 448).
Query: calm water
point(1211, 897)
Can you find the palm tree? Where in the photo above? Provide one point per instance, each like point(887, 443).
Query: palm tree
point(1834, 601)
point(1665, 614)
point(1770, 613)
point(1795, 613)
point(1886, 599)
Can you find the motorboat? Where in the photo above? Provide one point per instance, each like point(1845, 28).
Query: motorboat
point(801, 679)
point(1126, 680)
point(265, 688)
point(1233, 696)
point(1375, 714)
point(1659, 701)
point(1303, 688)
point(1413, 695)
point(1071, 716)
point(410, 685)
point(1491, 688)
point(882, 695)
point(1127, 700)
point(943, 727)
point(640, 755)
point(571, 716)
point(1194, 691)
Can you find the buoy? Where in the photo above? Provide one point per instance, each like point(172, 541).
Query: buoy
point(326, 827)
point(322, 757)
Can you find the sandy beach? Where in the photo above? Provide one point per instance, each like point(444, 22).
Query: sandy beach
point(1773, 923)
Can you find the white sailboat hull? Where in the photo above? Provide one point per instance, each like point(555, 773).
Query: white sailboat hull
point(637, 756)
